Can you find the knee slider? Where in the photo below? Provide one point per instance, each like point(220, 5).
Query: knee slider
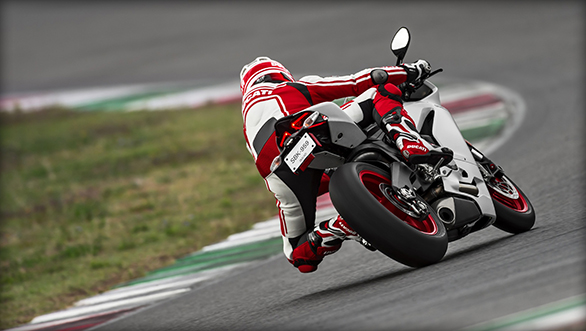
point(379, 76)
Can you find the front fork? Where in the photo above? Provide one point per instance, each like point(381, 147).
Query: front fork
point(489, 169)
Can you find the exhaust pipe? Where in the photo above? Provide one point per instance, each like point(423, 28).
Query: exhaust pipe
point(446, 215)
point(446, 211)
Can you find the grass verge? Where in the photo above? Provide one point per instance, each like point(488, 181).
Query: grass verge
point(92, 199)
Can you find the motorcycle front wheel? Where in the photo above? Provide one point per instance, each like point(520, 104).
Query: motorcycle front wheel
point(364, 196)
point(514, 212)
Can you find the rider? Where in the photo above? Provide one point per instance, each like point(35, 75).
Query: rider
point(270, 92)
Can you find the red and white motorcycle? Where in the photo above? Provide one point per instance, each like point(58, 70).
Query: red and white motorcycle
point(407, 212)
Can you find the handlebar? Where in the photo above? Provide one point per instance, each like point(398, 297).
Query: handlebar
point(410, 88)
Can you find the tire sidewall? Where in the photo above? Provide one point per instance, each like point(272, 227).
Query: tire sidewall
point(375, 223)
point(513, 221)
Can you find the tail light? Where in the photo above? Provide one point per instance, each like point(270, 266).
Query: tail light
point(305, 121)
point(297, 124)
point(286, 135)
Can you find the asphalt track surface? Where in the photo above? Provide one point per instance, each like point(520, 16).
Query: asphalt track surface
point(534, 48)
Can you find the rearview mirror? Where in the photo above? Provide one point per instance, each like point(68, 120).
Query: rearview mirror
point(400, 44)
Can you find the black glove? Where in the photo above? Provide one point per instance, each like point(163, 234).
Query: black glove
point(416, 70)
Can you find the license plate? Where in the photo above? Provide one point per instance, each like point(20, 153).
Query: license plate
point(300, 152)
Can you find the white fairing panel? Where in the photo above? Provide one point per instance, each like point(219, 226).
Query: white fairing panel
point(343, 130)
point(446, 132)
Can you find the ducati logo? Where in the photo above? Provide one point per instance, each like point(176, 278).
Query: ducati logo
point(257, 94)
point(419, 147)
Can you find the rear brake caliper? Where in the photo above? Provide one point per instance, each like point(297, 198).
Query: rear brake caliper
point(406, 200)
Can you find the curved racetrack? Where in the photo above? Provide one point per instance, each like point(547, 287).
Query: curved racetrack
point(534, 48)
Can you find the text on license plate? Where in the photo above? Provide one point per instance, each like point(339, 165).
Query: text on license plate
point(300, 152)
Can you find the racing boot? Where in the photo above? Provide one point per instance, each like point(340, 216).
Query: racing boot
point(338, 228)
point(394, 120)
point(416, 150)
point(325, 239)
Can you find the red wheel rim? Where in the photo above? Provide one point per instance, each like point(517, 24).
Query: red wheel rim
point(372, 180)
point(505, 192)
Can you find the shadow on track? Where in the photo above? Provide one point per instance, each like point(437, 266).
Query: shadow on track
point(346, 289)
point(356, 287)
point(477, 247)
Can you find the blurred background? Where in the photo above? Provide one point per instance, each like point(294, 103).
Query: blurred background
point(62, 44)
point(92, 199)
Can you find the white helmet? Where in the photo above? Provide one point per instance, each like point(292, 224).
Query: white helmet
point(259, 68)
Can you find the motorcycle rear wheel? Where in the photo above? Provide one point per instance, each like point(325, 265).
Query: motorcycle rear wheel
point(514, 212)
point(363, 196)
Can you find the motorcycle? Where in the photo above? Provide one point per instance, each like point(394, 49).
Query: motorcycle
point(408, 212)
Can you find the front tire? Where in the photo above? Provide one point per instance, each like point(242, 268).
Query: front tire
point(362, 194)
point(514, 212)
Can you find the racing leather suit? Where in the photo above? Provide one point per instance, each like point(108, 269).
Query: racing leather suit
point(267, 100)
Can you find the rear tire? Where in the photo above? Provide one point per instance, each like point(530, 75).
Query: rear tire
point(356, 190)
point(514, 212)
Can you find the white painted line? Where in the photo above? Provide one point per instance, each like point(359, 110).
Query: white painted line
point(152, 283)
point(158, 285)
point(458, 91)
point(552, 316)
point(264, 233)
point(552, 322)
point(268, 229)
point(193, 98)
point(43, 325)
point(108, 296)
point(469, 119)
point(266, 224)
point(77, 311)
point(516, 107)
point(162, 282)
point(212, 273)
point(234, 243)
point(69, 98)
point(255, 232)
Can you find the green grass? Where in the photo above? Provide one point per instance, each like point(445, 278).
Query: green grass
point(93, 199)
